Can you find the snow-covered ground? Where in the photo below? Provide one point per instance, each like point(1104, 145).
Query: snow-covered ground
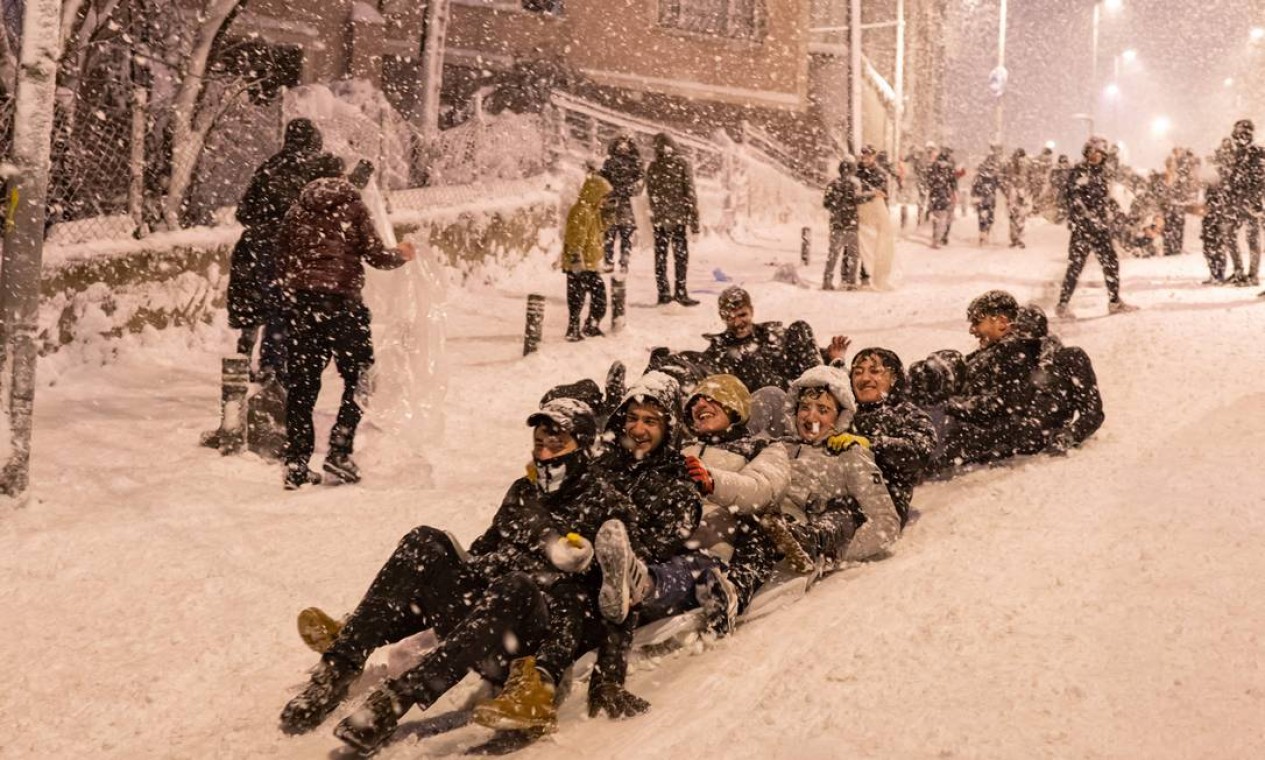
point(1106, 604)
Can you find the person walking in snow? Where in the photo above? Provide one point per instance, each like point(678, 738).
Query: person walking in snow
point(984, 192)
point(622, 168)
point(1016, 185)
point(1215, 212)
point(673, 212)
point(254, 301)
point(582, 256)
point(1058, 187)
point(843, 196)
point(942, 189)
point(326, 238)
point(1091, 214)
point(1243, 179)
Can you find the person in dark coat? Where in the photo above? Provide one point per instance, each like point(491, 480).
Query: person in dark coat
point(986, 416)
point(886, 422)
point(253, 298)
point(1058, 187)
point(326, 238)
point(1066, 406)
point(1091, 212)
point(843, 195)
point(1015, 175)
point(984, 191)
point(1244, 183)
point(942, 183)
point(622, 168)
point(1215, 211)
point(673, 211)
point(760, 354)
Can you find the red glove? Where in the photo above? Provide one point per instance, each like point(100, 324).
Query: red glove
point(698, 472)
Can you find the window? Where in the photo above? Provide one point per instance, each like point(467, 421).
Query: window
point(551, 7)
point(740, 19)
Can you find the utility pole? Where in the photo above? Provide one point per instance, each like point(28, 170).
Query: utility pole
point(897, 156)
point(1001, 66)
point(26, 194)
point(854, 45)
point(434, 38)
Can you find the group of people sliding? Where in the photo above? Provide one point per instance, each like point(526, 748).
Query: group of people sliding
point(687, 490)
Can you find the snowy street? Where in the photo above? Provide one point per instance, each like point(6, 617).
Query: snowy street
point(1109, 604)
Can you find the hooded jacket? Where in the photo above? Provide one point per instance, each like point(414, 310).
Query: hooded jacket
point(670, 186)
point(622, 168)
point(326, 237)
point(843, 195)
point(771, 355)
point(582, 240)
point(668, 505)
point(848, 481)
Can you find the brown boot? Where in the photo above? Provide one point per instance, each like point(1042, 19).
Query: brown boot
point(526, 702)
point(318, 630)
point(784, 540)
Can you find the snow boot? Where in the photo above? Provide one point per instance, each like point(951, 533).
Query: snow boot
point(1120, 307)
point(318, 630)
point(624, 577)
point(664, 299)
point(526, 702)
point(342, 468)
point(295, 476)
point(328, 687)
point(591, 330)
point(370, 727)
point(719, 599)
point(785, 541)
point(616, 379)
point(573, 331)
point(684, 299)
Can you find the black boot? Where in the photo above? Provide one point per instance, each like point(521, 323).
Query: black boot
point(298, 475)
point(664, 299)
point(370, 727)
point(616, 379)
point(325, 691)
point(341, 467)
point(684, 299)
point(591, 330)
point(573, 330)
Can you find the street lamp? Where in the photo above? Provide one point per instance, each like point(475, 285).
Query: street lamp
point(1257, 34)
point(1160, 126)
point(1112, 6)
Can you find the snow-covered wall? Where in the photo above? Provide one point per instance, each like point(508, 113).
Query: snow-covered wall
point(95, 292)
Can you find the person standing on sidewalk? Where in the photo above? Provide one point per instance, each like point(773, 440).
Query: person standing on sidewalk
point(1090, 209)
point(843, 196)
point(325, 239)
point(622, 168)
point(673, 209)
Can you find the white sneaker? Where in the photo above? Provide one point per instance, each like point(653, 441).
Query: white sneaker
point(1063, 311)
point(1120, 307)
point(624, 577)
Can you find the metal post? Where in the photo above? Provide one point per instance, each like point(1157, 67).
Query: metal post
point(234, 375)
point(854, 30)
point(805, 244)
point(1093, 84)
point(26, 199)
point(436, 25)
point(897, 142)
point(619, 298)
point(1001, 65)
point(535, 323)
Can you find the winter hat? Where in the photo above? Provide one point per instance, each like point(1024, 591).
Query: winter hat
point(993, 303)
point(303, 136)
point(868, 150)
point(660, 389)
point(569, 415)
point(847, 166)
point(936, 378)
point(831, 379)
point(585, 390)
point(1031, 322)
point(1095, 143)
point(1244, 131)
point(892, 362)
point(731, 299)
point(729, 392)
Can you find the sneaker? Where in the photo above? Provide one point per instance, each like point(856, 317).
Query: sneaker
point(787, 544)
point(370, 727)
point(719, 599)
point(1120, 307)
point(624, 576)
point(685, 300)
point(296, 476)
point(664, 299)
point(318, 630)
point(342, 468)
point(325, 691)
point(591, 330)
point(526, 702)
point(1063, 311)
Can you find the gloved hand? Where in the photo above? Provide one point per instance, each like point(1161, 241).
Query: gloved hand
point(617, 701)
point(571, 553)
point(698, 472)
point(844, 441)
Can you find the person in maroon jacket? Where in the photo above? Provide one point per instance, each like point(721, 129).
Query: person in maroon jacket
point(326, 238)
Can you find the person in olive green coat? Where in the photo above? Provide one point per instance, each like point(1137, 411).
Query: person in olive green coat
point(582, 257)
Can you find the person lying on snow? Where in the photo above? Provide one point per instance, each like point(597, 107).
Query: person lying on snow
point(837, 508)
point(487, 608)
point(1067, 407)
point(645, 464)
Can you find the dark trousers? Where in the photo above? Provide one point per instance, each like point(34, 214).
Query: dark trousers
point(844, 242)
point(986, 215)
point(324, 327)
point(508, 621)
point(1230, 240)
point(674, 237)
point(581, 285)
point(625, 234)
point(1082, 244)
point(272, 347)
point(1174, 231)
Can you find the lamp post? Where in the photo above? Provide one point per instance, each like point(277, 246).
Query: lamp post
point(1001, 68)
point(1113, 6)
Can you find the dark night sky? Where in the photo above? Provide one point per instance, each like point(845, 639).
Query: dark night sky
point(1185, 51)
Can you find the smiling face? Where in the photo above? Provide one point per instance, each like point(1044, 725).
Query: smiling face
point(645, 426)
point(990, 328)
point(739, 321)
point(707, 416)
point(871, 380)
point(548, 442)
point(816, 414)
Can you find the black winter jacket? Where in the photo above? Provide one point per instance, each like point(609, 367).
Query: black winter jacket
point(998, 384)
point(843, 195)
point(670, 186)
point(903, 441)
point(1090, 208)
point(771, 355)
